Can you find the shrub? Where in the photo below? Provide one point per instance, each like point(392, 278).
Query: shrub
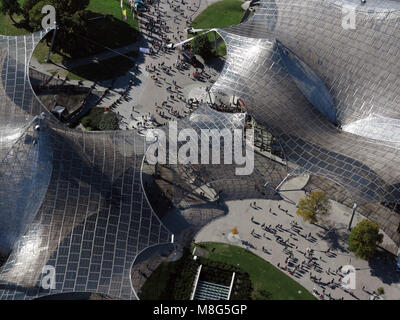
point(202, 47)
point(108, 122)
point(100, 120)
point(174, 280)
point(314, 204)
point(364, 239)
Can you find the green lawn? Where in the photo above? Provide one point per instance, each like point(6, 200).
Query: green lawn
point(97, 119)
point(221, 14)
point(263, 275)
point(41, 52)
point(171, 280)
point(157, 284)
point(104, 70)
point(7, 26)
point(113, 7)
point(111, 32)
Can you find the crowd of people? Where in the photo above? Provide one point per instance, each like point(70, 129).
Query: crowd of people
point(299, 257)
point(158, 31)
point(169, 70)
point(222, 107)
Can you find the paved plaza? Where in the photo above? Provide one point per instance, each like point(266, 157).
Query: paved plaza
point(164, 89)
point(257, 226)
point(156, 90)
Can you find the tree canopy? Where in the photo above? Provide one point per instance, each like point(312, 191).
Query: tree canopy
point(202, 47)
point(364, 239)
point(100, 120)
point(10, 7)
point(64, 8)
point(67, 11)
point(35, 15)
point(314, 204)
point(70, 17)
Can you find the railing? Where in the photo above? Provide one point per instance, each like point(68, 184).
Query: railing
point(195, 282)
point(231, 286)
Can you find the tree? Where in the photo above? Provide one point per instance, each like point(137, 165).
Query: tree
point(314, 204)
point(99, 120)
point(66, 11)
point(380, 291)
point(70, 17)
point(29, 4)
point(10, 7)
point(364, 239)
point(35, 15)
point(27, 7)
point(108, 122)
point(64, 8)
point(202, 46)
point(69, 7)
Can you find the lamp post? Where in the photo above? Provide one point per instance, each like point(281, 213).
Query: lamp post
point(352, 215)
point(282, 182)
point(215, 43)
point(52, 44)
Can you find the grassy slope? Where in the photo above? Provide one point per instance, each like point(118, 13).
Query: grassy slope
point(262, 273)
point(113, 67)
point(103, 70)
point(220, 14)
point(114, 7)
point(98, 6)
point(110, 68)
point(7, 27)
point(158, 282)
point(41, 52)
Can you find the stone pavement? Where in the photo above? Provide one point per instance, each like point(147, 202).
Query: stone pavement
point(146, 95)
point(255, 234)
point(87, 60)
point(150, 91)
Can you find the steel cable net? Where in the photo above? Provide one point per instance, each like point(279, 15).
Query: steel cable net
point(223, 177)
point(202, 187)
point(301, 75)
point(322, 90)
point(279, 60)
point(70, 200)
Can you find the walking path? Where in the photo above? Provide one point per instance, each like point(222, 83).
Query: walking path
point(72, 64)
point(287, 246)
point(162, 92)
point(156, 88)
